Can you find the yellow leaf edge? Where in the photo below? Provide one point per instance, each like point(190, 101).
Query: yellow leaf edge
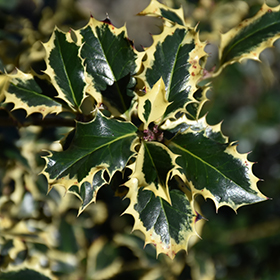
point(49, 71)
point(66, 182)
point(136, 167)
point(255, 54)
point(151, 237)
point(90, 88)
point(159, 103)
point(196, 61)
point(202, 124)
point(154, 10)
point(19, 104)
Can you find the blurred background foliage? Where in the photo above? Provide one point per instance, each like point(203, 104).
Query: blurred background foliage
point(42, 235)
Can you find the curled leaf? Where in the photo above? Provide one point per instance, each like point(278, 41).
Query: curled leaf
point(152, 105)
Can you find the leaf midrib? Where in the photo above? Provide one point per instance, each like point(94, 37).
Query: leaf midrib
point(105, 56)
point(247, 37)
point(92, 151)
point(205, 162)
point(66, 72)
point(40, 95)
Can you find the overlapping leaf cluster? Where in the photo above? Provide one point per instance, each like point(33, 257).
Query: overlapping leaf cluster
point(41, 237)
point(138, 113)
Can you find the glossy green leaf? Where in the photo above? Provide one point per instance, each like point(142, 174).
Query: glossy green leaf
point(153, 167)
point(251, 37)
point(166, 155)
point(110, 62)
point(174, 57)
point(65, 69)
point(88, 191)
point(167, 226)
point(213, 168)
point(26, 94)
point(100, 144)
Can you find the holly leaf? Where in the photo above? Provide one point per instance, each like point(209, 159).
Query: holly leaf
point(152, 104)
point(65, 69)
point(167, 226)
point(212, 167)
point(25, 93)
point(100, 144)
point(88, 191)
point(153, 166)
point(110, 62)
point(157, 9)
point(174, 57)
point(250, 37)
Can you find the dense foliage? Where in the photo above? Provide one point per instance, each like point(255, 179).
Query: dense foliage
point(138, 129)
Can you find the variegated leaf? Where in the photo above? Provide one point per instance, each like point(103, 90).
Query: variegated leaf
point(110, 62)
point(65, 69)
point(25, 93)
point(103, 259)
point(250, 37)
point(88, 190)
point(100, 144)
point(157, 9)
point(167, 226)
point(174, 57)
point(212, 167)
point(153, 166)
point(152, 104)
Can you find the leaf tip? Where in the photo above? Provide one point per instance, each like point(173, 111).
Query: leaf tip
point(49, 189)
point(107, 20)
point(199, 217)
